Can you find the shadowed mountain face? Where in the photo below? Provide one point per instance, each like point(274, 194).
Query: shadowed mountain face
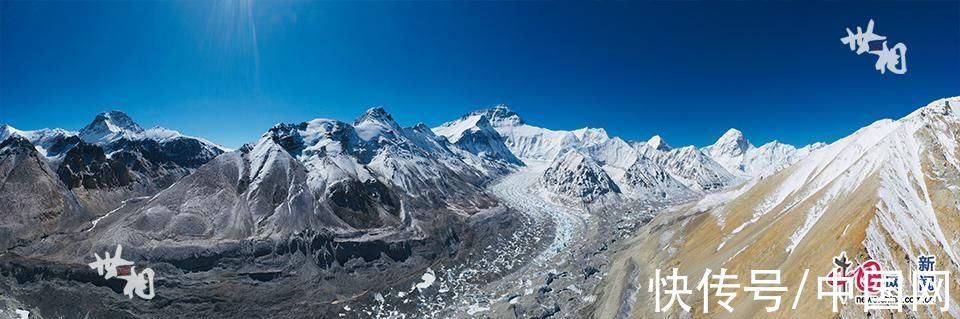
point(153, 158)
point(86, 166)
point(86, 174)
point(33, 200)
point(113, 151)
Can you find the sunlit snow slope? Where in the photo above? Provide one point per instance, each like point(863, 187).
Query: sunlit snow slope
point(888, 192)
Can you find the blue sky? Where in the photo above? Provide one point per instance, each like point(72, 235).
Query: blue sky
point(228, 71)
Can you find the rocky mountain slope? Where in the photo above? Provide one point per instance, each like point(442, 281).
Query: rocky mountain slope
point(695, 169)
point(887, 192)
point(576, 177)
point(34, 200)
point(85, 174)
point(347, 208)
point(371, 177)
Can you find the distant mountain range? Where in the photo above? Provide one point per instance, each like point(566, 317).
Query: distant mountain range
point(320, 199)
point(606, 168)
point(369, 176)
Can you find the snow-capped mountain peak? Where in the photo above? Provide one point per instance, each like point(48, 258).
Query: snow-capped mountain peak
point(160, 134)
point(7, 131)
point(501, 115)
point(376, 122)
point(740, 157)
point(375, 114)
point(732, 143)
point(422, 129)
point(109, 126)
point(119, 119)
point(657, 143)
point(455, 130)
point(696, 170)
point(49, 142)
point(474, 133)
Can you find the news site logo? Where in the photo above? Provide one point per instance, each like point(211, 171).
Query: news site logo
point(893, 59)
point(884, 289)
point(878, 288)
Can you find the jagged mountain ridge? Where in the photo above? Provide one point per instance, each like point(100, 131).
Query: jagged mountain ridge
point(525, 141)
point(691, 171)
point(371, 176)
point(374, 152)
point(657, 143)
point(741, 158)
point(114, 151)
point(695, 169)
point(113, 159)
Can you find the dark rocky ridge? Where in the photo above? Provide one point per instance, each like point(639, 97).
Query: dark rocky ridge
point(82, 178)
point(86, 166)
